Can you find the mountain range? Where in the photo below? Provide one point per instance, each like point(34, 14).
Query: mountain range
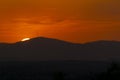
point(44, 49)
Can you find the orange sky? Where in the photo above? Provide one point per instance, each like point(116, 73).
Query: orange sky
point(71, 20)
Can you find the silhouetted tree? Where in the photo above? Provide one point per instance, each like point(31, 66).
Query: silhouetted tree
point(112, 73)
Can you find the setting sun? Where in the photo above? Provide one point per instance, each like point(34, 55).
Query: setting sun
point(25, 39)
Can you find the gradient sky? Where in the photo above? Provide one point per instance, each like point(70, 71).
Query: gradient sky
point(71, 20)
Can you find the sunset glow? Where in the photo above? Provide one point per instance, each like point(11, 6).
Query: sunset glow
point(70, 20)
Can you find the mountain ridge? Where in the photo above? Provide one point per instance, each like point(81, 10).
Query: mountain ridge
point(42, 48)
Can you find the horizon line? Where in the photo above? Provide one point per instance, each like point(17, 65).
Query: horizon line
point(102, 40)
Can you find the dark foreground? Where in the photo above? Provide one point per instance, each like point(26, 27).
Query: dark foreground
point(59, 70)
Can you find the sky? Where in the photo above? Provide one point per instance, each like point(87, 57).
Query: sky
point(76, 21)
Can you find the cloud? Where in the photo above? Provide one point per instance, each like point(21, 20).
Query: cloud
point(43, 20)
point(102, 10)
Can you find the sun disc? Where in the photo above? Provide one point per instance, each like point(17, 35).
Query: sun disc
point(25, 39)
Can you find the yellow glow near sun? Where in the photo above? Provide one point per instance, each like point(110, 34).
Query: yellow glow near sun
point(25, 39)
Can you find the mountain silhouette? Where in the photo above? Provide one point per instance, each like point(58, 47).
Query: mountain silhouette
point(40, 49)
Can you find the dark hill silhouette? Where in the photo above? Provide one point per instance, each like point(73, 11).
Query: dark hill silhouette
point(52, 49)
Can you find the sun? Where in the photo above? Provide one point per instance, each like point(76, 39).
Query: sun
point(25, 39)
